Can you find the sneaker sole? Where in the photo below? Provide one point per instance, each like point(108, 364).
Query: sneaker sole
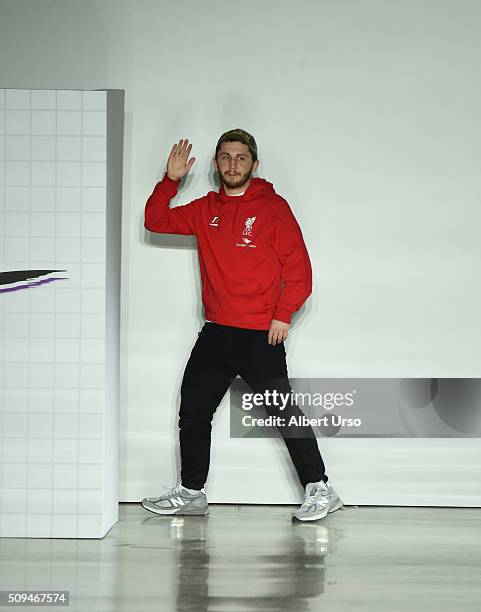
point(316, 517)
point(170, 511)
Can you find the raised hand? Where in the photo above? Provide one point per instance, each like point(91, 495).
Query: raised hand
point(177, 164)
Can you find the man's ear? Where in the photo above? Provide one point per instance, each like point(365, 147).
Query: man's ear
point(255, 165)
point(215, 164)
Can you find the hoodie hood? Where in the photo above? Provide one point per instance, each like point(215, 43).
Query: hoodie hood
point(258, 187)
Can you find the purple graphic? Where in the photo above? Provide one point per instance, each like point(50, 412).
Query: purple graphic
point(16, 280)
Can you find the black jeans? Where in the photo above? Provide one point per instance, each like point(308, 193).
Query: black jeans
point(219, 354)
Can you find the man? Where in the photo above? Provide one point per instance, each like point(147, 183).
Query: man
point(255, 273)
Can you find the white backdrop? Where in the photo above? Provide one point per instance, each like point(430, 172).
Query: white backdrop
point(366, 116)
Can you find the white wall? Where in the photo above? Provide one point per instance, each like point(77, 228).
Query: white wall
point(366, 117)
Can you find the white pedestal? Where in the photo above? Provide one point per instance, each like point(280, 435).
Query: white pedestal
point(60, 223)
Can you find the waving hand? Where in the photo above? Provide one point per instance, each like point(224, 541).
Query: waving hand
point(177, 164)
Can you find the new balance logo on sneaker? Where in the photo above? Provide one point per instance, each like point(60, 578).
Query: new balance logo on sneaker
point(320, 500)
point(178, 500)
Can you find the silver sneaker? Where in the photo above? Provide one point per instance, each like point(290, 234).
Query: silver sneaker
point(321, 499)
point(178, 500)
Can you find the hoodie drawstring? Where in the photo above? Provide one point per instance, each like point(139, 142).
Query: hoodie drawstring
point(234, 218)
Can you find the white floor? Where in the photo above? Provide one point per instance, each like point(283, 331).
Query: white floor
point(249, 558)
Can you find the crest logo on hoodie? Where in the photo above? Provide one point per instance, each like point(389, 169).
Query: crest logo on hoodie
point(248, 228)
point(249, 222)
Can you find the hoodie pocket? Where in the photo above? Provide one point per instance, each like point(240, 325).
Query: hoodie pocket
point(266, 303)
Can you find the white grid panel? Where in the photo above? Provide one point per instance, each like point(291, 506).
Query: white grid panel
point(53, 171)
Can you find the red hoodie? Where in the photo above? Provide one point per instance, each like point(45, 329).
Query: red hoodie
point(253, 261)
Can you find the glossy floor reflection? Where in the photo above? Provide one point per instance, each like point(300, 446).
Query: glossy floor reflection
point(249, 558)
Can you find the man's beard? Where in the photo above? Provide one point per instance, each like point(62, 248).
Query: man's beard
point(239, 180)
